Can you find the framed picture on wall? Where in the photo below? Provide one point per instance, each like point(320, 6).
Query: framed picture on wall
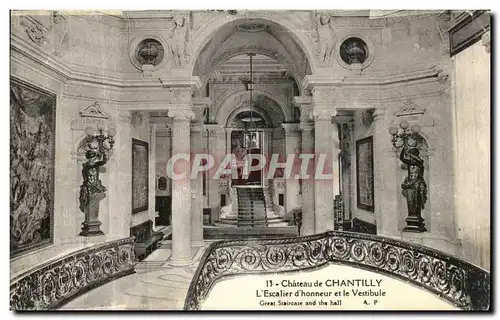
point(32, 159)
point(140, 176)
point(364, 174)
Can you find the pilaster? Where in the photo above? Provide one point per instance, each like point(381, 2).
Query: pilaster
point(120, 170)
point(217, 148)
point(152, 173)
point(292, 185)
point(196, 187)
point(307, 147)
point(385, 178)
point(326, 149)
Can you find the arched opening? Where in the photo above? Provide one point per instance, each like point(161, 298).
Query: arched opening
point(268, 39)
point(279, 65)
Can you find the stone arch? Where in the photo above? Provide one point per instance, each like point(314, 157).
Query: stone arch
point(223, 28)
point(243, 107)
point(233, 52)
point(227, 106)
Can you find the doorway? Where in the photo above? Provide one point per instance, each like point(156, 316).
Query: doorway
point(242, 144)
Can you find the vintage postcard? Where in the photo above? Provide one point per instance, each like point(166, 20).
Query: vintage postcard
point(250, 160)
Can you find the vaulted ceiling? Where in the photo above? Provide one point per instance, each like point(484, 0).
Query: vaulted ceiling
point(278, 53)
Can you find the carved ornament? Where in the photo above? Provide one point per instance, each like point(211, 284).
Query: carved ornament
point(94, 111)
point(409, 108)
point(181, 114)
point(35, 30)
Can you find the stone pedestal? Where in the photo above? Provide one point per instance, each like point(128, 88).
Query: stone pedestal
point(414, 224)
point(181, 189)
point(91, 225)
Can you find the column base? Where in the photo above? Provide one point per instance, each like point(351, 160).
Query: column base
point(91, 228)
point(197, 243)
point(415, 224)
point(180, 262)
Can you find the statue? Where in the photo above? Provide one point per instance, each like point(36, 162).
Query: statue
point(414, 188)
point(325, 37)
point(92, 191)
point(179, 36)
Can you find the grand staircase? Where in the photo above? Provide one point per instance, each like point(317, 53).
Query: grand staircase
point(255, 210)
point(251, 207)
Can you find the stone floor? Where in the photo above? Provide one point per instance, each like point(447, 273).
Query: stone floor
point(156, 285)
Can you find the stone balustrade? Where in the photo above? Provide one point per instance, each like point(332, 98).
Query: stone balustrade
point(54, 283)
point(457, 281)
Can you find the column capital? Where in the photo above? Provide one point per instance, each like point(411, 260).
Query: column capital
point(306, 126)
point(323, 114)
point(197, 127)
point(323, 94)
point(299, 101)
point(181, 114)
point(290, 128)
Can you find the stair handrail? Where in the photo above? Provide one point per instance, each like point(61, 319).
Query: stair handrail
point(449, 277)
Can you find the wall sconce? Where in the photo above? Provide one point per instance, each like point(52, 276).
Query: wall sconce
point(414, 186)
point(92, 191)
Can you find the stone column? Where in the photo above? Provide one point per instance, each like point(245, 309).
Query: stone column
point(307, 147)
point(197, 183)
point(181, 189)
point(385, 177)
point(326, 145)
point(292, 146)
point(217, 148)
point(197, 188)
point(152, 174)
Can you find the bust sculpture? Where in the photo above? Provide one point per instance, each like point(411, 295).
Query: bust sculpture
point(149, 52)
point(355, 52)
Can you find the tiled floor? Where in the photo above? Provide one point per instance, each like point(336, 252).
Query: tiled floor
point(156, 285)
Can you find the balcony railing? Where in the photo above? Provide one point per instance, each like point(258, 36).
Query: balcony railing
point(457, 281)
point(55, 282)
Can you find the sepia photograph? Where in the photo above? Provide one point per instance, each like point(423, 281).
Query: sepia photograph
point(265, 160)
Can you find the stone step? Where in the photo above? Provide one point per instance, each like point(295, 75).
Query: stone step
point(255, 224)
point(232, 219)
point(231, 232)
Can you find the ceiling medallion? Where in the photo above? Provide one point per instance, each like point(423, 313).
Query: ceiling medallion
point(251, 27)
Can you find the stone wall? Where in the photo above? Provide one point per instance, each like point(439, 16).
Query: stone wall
point(471, 138)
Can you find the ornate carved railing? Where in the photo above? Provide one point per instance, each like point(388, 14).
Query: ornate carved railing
point(56, 282)
point(459, 282)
